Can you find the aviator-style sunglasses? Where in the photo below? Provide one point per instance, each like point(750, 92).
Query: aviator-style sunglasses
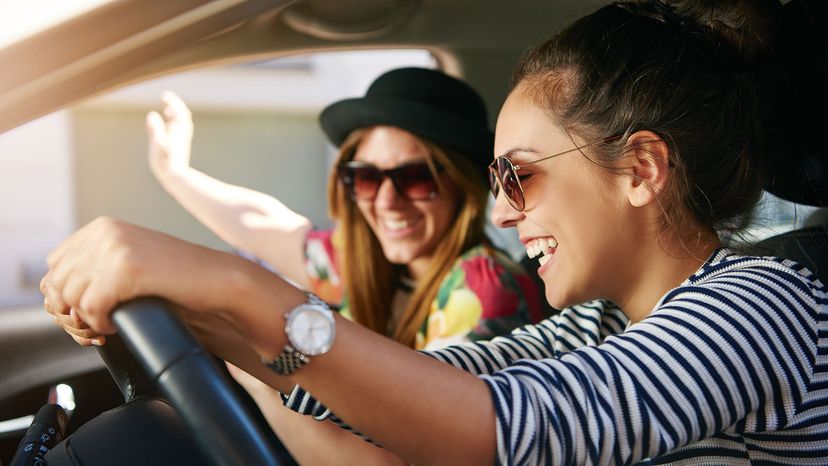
point(503, 175)
point(414, 181)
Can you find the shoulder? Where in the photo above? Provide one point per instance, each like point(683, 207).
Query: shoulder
point(767, 301)
point(489, 266)
point(588, 324)
point(485, 257)
point(320, 246)
point(485, 267)
point(502, 286)
point(319, 238)
point(322, 266)
point(763, 281)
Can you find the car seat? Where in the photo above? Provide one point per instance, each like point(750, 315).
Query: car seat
point(798, 163)
point(807, 246)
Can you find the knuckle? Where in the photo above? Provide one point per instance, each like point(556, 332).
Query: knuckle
point(44, 284)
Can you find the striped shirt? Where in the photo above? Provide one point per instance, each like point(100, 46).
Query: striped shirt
point(730, 368)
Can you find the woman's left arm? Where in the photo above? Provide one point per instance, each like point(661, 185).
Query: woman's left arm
point(310, 441)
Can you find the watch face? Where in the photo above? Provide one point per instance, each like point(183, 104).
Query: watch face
point(311, 330)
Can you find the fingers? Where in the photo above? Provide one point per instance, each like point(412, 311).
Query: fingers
point(173, 116)
point(56, 310)
point(170, 134)
point(66, 305)
point(177, 116)
point(98, 341)
point(52, 299)
point(110, 261)
point(97, 303)
point(81, 288)
point(156, 149)
point(174, 107)
point(78, 330)
point(155, 126)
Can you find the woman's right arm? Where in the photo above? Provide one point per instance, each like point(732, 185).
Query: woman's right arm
point(246, 219)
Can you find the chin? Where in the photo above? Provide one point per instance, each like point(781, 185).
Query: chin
point(556, 297)
point(554, 301)
point(398, 256)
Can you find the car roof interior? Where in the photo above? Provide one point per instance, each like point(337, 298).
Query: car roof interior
point(174, 36)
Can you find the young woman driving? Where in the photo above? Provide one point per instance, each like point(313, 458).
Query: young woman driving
point(408, 257)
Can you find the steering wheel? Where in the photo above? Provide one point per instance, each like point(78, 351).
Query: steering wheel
point(172, 361)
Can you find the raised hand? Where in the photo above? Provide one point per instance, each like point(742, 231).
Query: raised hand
point(170, 135)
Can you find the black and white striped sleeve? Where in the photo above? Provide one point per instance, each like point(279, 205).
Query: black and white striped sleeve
point(584, 324)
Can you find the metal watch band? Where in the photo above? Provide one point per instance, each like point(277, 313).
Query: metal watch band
point(313, 299)
point(288, 361)
point(291, 359)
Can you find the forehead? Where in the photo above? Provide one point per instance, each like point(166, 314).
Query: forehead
point(388, 146)
point(523, 124)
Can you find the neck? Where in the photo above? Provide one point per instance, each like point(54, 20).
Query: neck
point(418, 268)
point(666, 265)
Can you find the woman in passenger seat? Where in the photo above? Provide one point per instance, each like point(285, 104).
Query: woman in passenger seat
point(408, 257)
point(627, 142)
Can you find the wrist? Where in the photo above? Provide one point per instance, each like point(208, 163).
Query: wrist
point(310, 329)
point(172, 173)
point(262, 299)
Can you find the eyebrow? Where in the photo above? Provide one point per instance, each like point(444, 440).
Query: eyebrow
point(515, 153)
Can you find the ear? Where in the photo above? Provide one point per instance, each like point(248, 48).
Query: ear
point(648, 155)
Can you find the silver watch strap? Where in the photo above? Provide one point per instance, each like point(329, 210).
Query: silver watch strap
point(288, 361)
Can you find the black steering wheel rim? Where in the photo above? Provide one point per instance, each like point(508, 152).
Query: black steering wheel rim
point(167, 359)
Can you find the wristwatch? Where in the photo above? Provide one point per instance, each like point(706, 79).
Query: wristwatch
point(310, 329)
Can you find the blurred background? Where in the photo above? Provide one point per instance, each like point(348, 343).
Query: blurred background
point(64, 169)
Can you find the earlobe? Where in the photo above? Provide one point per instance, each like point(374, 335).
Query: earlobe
point(650, 159)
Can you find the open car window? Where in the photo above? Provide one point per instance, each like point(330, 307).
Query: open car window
point(255, 125)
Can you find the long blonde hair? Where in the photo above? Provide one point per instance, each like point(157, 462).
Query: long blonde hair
point(370, 280)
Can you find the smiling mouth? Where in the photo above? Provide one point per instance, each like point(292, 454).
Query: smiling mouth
point(543, 247)
point(396, 225)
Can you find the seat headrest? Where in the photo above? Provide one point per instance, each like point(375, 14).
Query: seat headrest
point(799, 151)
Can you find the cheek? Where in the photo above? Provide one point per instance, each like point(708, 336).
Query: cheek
point(366, 209)
point(442, 220)
point(444, 209)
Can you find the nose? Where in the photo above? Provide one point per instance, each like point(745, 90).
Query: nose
point(387, 194)
point(503, 214)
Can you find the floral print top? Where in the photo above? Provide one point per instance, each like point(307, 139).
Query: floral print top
point(485, 294)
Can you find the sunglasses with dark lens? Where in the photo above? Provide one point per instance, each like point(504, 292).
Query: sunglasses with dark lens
point(414, 181)
point(503, 175)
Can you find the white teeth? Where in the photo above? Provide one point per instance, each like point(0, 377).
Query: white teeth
point(395, 224)
point(544, 259)
point(544, 246)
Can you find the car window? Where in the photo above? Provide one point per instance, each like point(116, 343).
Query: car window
point(255, 125)
point(773, 216)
